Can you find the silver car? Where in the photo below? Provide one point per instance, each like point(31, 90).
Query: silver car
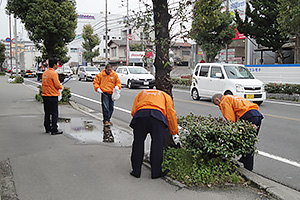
point(87, 73)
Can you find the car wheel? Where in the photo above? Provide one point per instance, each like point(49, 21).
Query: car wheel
point(151, 87)
point(195, 94)
point(258, 102)
point(228, 93)
point(129, 85)
point(79, 79)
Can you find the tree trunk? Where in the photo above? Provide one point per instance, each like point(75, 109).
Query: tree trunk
point(162, 43)
point(297, 46)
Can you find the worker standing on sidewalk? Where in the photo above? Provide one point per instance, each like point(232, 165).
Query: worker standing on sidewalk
point(235, 107)
point(104, 83)
point(152, 112)
point(50, 93)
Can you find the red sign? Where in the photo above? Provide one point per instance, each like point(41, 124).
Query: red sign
point(239, 36)
point(130, 37)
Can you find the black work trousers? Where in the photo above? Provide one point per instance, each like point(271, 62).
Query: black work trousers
point(157, 130)
point(51, 113)
point(248, 159)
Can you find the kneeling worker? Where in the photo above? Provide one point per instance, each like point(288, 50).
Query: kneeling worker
point(235, 107)
point(152, 112)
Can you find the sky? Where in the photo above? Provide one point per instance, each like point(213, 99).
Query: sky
point(82, 6)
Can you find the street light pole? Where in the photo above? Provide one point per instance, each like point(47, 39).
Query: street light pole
point(106, 49)
point(16, 47)
point(127, 34)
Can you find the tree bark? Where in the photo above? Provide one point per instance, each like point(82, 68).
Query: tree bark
point(162, 44)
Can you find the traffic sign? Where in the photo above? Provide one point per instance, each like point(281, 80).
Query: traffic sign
point(130, 37)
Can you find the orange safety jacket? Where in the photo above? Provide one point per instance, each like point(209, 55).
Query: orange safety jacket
point(158, 100)
point(50, 83)
point(233, 107)
point(106, 82)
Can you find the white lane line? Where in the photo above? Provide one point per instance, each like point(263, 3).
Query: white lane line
point(287, 161)
point(98, 102)
point(283, 103)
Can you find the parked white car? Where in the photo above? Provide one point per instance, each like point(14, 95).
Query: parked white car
point(133, 76)
point(211, 78)
point(87, 73)
point(67, 71)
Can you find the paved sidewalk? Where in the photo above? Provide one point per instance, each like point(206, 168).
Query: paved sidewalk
point(78, 165)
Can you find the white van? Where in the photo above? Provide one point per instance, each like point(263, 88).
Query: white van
point(211, 78)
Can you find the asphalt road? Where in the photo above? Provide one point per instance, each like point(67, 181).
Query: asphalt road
point(279, 139)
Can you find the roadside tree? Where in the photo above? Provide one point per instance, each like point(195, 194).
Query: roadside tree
point(2, 55)
point(90, 42)
point(261, 24)
point(157, 18)
point(289, 21)
point(50, 24)
point(212, 28)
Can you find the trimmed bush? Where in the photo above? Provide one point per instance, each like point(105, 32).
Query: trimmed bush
point(19, 79)
point(208, 150)
point(179, 81)
point(280, 88)
point(66, 95)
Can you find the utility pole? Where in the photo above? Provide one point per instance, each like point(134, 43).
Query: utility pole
point(226, 52)
point(127, 39)
point(16, 45)
point(106, 37)
point(10, 46)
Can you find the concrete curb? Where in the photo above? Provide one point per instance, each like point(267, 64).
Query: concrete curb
point(277, 190)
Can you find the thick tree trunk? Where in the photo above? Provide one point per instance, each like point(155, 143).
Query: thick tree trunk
point(297, 46)
point(162, 44)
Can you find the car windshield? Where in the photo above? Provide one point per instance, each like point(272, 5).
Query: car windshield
point(138, 70)
point(91, 69)
point(67, 69)
point(238, 72)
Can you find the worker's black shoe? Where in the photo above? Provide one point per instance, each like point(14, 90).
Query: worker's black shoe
point(57, 132)
point(133, 174)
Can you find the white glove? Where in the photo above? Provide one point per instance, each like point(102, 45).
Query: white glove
point(117, 88)
point(99, 90)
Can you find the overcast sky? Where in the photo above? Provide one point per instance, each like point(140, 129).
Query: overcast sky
point(83, 6)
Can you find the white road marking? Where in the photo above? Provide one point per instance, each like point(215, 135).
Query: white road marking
point(98, 102)
point(287, 161)
point(283, 103)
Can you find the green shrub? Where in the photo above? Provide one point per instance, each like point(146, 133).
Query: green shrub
point(215, 137)
point(66, 95)
point(208, 150)
point(283, 88)
point(187, 168)
point(19, 79)
point(38, 96)
point(179, 81)
point(2, 73)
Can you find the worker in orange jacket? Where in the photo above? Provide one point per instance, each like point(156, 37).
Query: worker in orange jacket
point(235, 107)
point(50, 93)
point(104, 83)
point(152, 112)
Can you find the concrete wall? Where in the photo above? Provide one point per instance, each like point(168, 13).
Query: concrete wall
point(281, 73)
